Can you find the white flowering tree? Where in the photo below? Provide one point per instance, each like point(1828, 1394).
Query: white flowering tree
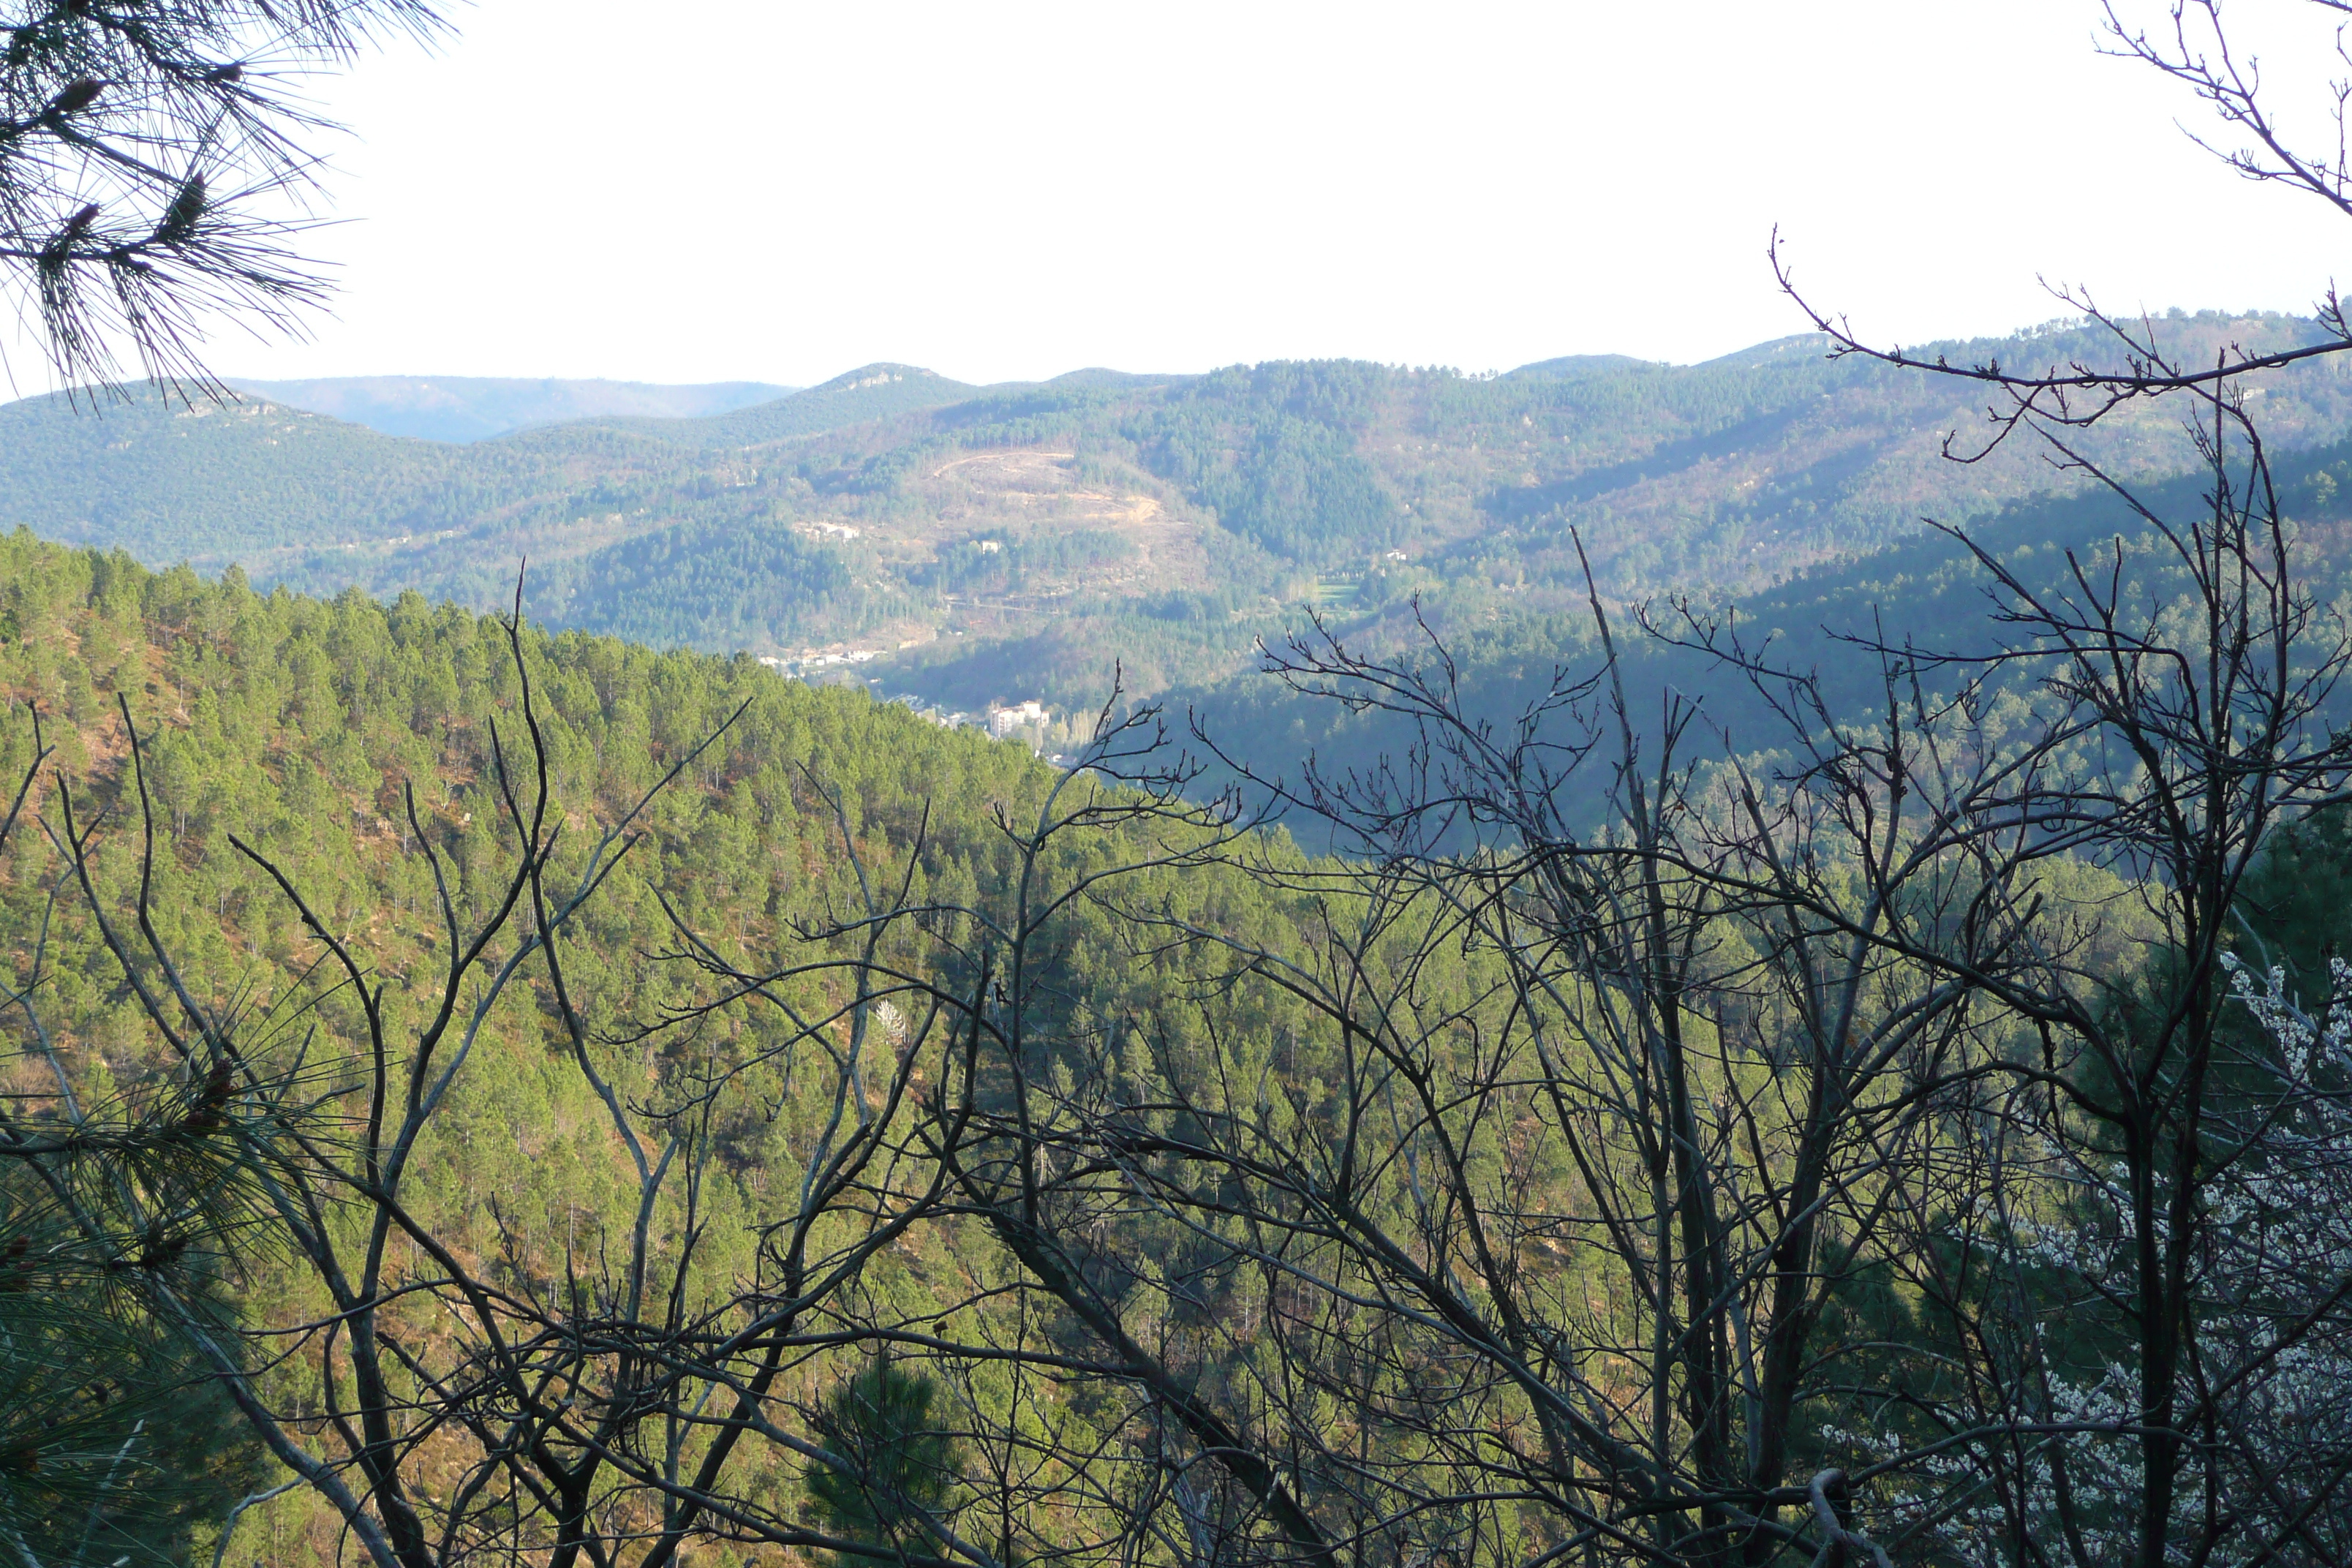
point(2027, 1429)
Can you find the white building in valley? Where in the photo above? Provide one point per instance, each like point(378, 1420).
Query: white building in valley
point(1002, 721)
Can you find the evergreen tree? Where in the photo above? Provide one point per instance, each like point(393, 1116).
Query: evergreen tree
point(899, 1467)
point(139, 148)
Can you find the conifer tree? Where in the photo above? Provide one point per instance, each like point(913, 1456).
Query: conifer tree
point(148, 155)
point(897, 1465)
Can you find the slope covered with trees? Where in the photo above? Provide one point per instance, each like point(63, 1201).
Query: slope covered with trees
point(1928, 593)
point(337, 739)
point(575, 1102)
point(1016, 541)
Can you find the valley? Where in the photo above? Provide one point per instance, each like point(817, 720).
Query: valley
point(1728, 960)
point(1306, 874)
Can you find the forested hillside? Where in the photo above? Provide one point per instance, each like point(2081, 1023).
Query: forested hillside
point(1012, 541)
point(489, 1094)
point(304, 728)
point(1927, 593)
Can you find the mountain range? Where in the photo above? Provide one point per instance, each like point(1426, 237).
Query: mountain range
point(967, 544)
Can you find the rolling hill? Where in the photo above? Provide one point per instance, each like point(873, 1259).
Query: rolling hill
point(972, 543)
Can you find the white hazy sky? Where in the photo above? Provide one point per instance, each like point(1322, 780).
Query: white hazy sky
point(779, 191)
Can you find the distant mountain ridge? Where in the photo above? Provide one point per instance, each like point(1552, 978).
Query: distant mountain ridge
point(1024, 540)
point(474, 407)
point(870, 392)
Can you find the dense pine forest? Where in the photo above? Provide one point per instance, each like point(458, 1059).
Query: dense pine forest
point(311, 731)
point(1514, 1068)
point(1609, 965)
point(494, 1093)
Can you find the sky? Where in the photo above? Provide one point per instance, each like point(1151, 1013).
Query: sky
point(780, 191)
